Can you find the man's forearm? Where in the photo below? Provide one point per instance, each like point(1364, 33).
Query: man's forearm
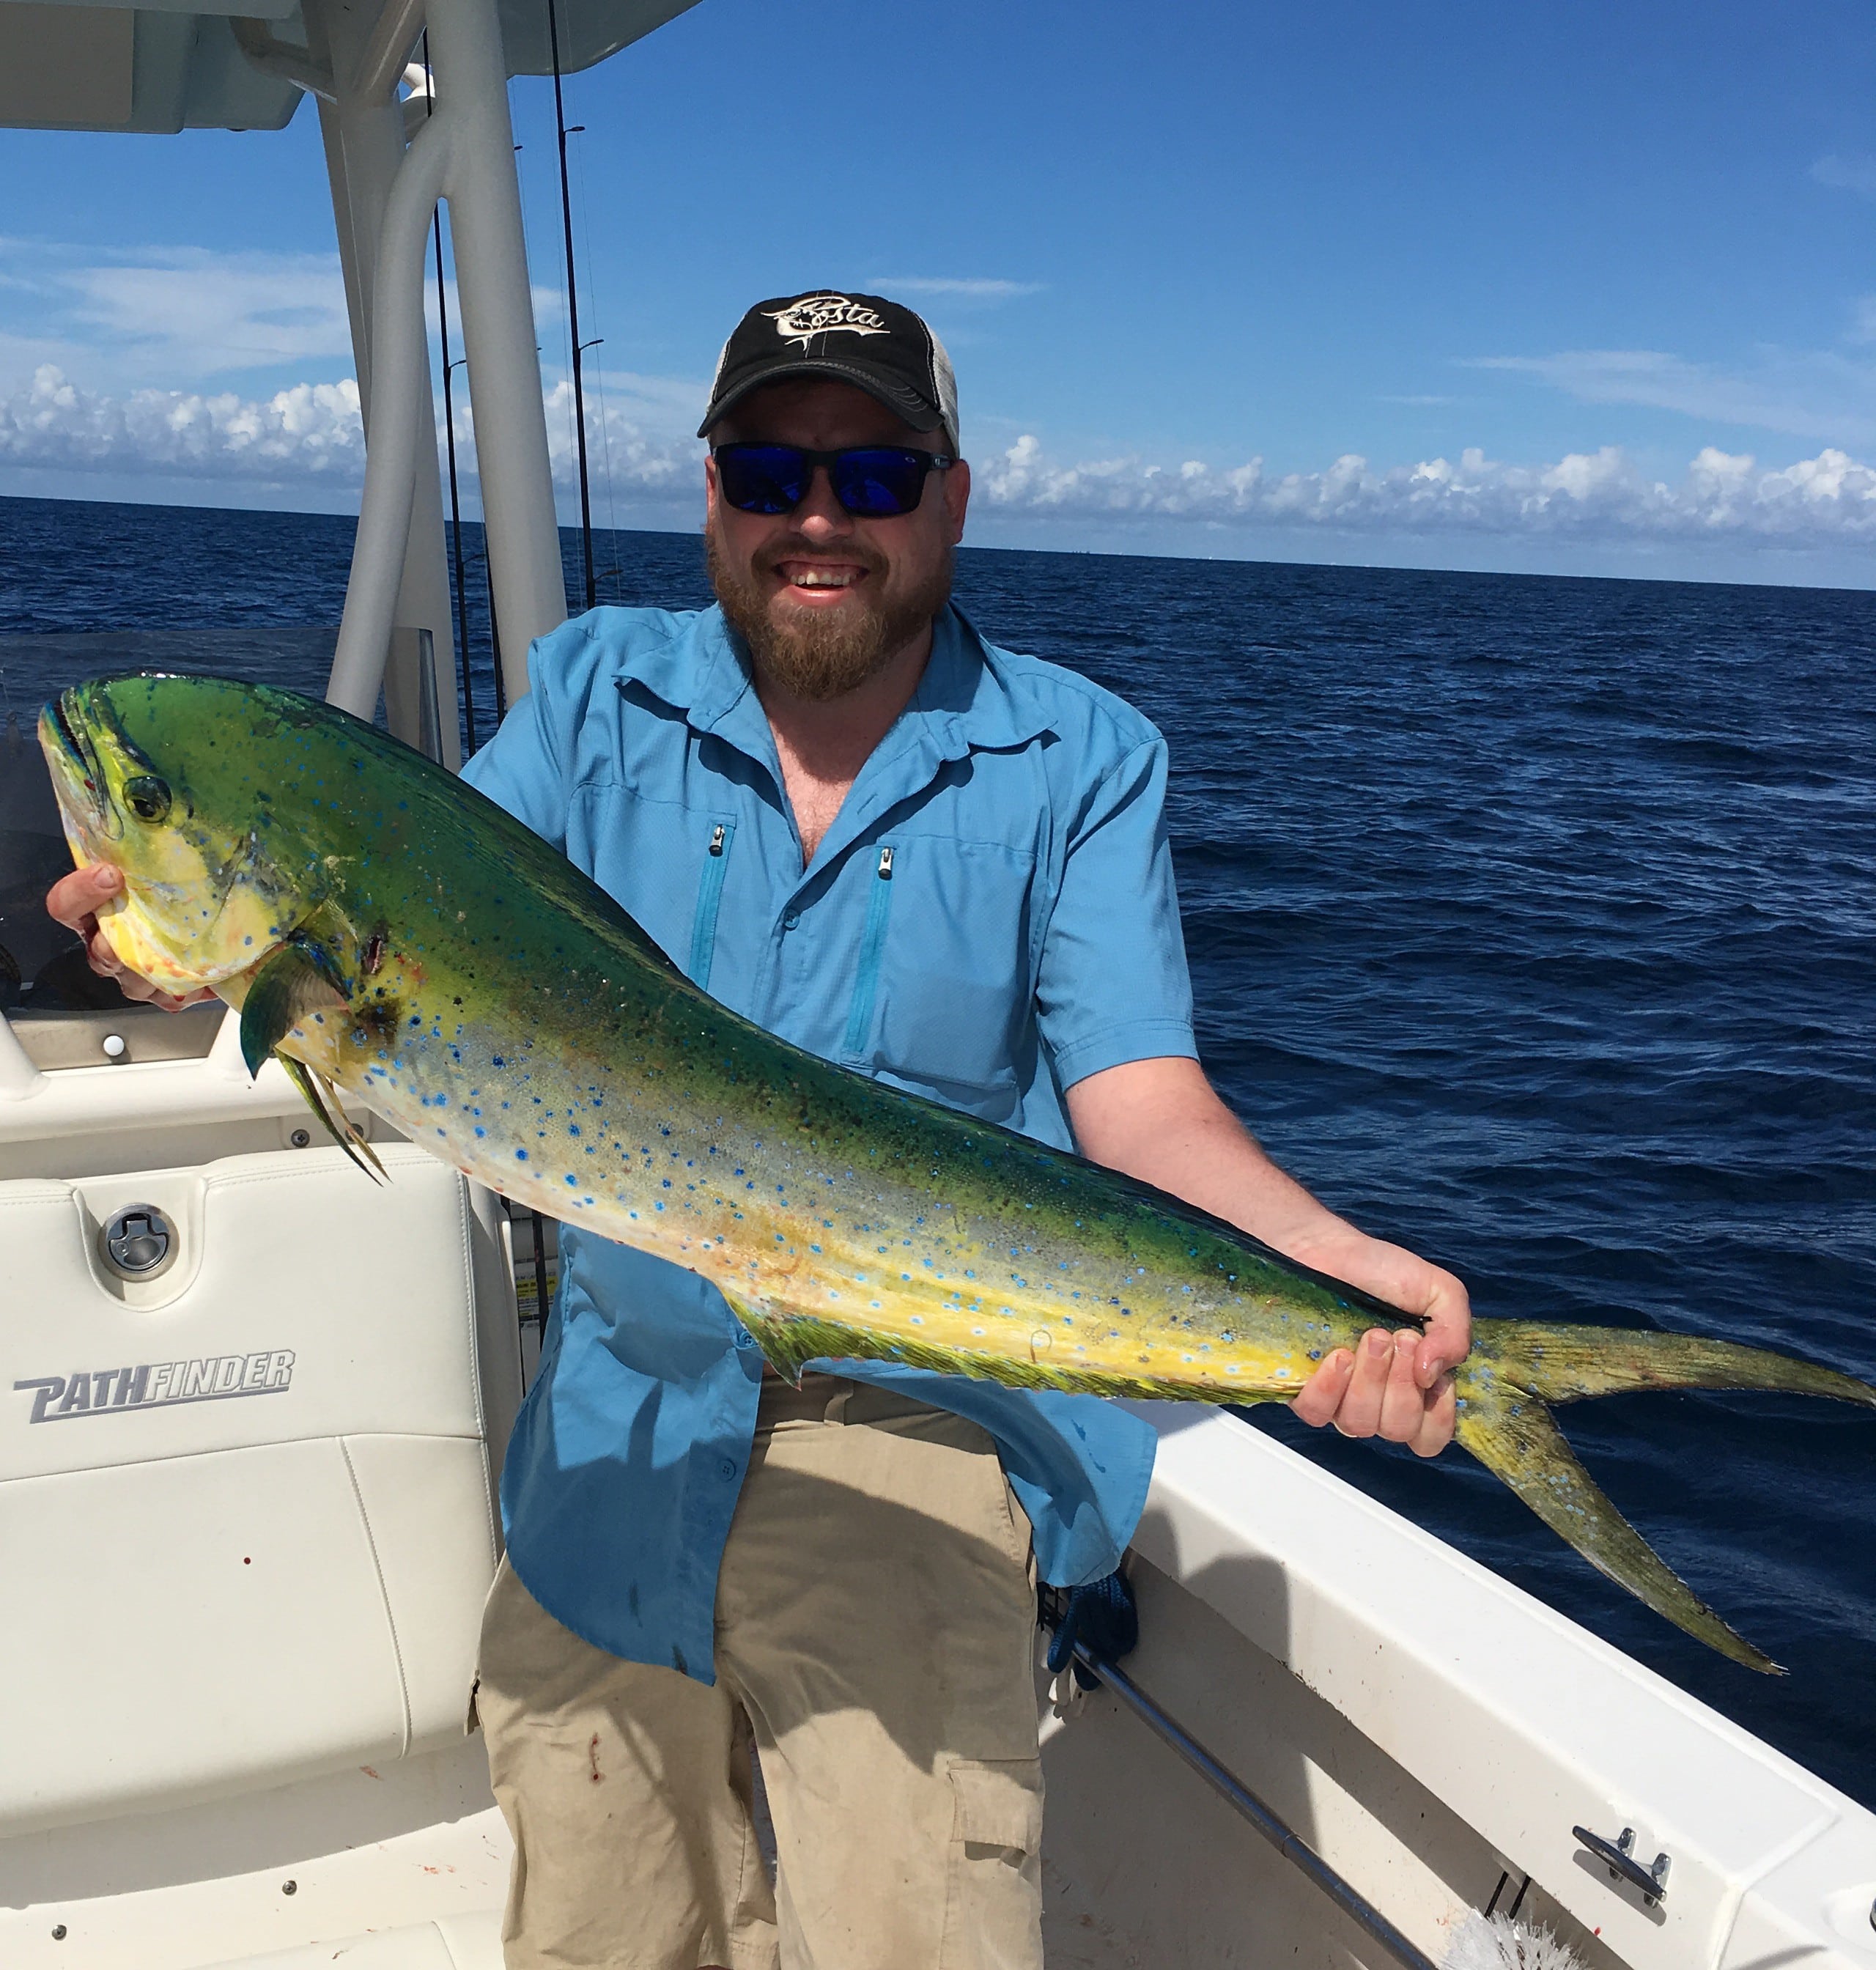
point(1168, 1129)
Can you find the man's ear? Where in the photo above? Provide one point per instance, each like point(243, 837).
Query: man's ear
point(710, 491)
point(956, 498)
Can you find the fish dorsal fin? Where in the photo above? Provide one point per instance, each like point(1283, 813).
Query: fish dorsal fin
point(285, 990)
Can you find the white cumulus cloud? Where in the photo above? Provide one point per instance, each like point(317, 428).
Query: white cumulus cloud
point(1594, 496)
point(309, 432)
point(639, 436)
point(643, 456)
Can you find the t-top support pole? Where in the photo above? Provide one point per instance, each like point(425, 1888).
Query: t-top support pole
point(464, 151)
point(363, 127)
point(496, 307)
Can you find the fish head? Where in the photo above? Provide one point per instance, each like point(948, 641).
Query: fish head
point(161, 777)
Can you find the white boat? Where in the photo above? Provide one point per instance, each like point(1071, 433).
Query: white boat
point(255, 1405)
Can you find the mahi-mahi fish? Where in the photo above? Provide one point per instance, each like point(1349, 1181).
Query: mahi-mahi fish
point(383, 929)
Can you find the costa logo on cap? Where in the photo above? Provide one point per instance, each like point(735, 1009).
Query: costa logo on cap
point(818, 314)
point(877, 345)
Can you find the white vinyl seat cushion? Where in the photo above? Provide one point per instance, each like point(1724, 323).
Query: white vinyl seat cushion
point(246, 1507)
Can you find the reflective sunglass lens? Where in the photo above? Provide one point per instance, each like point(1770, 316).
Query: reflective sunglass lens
point(877, 484)
point(871, 482)
point(762, 478)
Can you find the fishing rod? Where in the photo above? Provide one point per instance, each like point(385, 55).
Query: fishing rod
point(449, 432)
point(488, 560)
point(573, 307)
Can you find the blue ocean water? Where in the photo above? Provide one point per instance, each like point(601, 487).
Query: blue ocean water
point(1533, 924)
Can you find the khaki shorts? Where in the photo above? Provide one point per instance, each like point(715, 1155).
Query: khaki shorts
point(875, 1629)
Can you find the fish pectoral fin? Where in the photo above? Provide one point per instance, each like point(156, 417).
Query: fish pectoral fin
point(283, 990)
point(323, 1099)
point(1511, 1433)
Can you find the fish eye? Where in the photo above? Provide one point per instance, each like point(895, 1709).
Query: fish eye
point(147, 797)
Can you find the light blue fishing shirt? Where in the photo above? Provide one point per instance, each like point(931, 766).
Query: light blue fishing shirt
point(990, 918)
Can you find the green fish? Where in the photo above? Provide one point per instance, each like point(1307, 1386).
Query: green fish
point(384, 930)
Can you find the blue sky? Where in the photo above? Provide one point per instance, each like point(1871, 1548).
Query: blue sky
point(1586, 288)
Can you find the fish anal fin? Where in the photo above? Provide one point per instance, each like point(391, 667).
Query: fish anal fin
point(288, 988)
point(323, 1100)
point(790, 1341)
point(1511, 1433)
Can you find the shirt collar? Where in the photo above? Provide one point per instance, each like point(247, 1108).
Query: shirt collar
point(696, 669)
point(967, 697)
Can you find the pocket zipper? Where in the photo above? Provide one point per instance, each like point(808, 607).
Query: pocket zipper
point(872, 944)
point(709, 897)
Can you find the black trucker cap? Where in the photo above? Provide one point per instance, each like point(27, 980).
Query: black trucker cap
point(882, 348)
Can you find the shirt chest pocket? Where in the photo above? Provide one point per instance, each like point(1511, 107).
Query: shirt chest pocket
point(944, 990)
point(665, 862)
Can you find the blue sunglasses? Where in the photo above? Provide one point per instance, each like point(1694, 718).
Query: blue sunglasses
point(871, 482)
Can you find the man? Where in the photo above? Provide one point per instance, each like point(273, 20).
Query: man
point(946, 865)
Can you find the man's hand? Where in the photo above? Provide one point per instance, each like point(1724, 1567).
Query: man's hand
point(74, 900)
point(1396, 1385)
point(1159, 1120)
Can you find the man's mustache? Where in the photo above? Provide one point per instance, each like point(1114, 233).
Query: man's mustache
point(797, 547)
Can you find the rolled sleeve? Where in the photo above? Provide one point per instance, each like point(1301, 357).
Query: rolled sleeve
point(1112, 985)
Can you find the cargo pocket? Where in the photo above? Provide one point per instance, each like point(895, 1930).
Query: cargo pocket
point(994, 1905)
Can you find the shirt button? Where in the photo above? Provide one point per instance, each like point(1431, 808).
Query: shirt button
point(790, 919)
point(727, 1468)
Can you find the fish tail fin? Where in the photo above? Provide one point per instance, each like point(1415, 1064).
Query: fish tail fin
point(339, 1125)
point(1511, 1433)
point(1564, 1364)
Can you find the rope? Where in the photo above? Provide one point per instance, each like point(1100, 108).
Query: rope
point(1102, 1618)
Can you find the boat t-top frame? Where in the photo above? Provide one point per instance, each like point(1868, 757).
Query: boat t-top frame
point(390, 162)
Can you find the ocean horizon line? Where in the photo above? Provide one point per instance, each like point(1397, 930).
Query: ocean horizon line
point(1353, 562)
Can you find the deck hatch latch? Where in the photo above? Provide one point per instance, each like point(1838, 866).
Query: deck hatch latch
point(137, 1242)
